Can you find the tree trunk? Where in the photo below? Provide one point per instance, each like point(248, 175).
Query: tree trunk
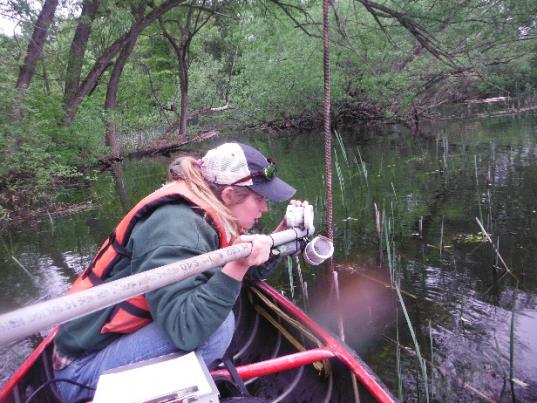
point(77, 51)
point(35, 47)
point(100, 65)
point(45, 79)
point(111, 98)
point(183, 86)
point(33, 53)
point(181, 51)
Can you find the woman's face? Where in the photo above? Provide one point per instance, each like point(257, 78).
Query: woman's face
point(249, 210)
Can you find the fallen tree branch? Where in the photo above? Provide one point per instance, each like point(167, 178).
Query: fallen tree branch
point(166, 147)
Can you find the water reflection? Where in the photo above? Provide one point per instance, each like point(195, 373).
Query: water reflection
point(121, 190)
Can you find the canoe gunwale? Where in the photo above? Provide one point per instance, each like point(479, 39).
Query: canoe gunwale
point(26, 366)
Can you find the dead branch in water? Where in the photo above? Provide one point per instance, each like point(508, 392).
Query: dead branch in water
point(167, 147)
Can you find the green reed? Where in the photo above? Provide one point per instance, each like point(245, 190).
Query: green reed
point(445, 152)
point(303, 285)
point(398, 358)
point(431, 358)
point(10, 247)
point(339, 170)
point(421, 361)
point(512, 339)
point(363, 168)
point(347, 235)
point(395, 278)
point(442, 236)
point(320, 211)
point(23, 268)
point(341, 146)
point(341, 180)
point(477, 190)
point(499, 256)
point(290, 273)
point(51, 222)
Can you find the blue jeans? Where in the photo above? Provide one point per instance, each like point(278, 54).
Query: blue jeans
point(148, 342)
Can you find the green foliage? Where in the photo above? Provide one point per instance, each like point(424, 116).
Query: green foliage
point(280, 71)
point(261, 61)
point(36, 149)
point(503, 79)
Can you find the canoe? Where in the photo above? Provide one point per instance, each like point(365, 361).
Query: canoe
point(278, 351)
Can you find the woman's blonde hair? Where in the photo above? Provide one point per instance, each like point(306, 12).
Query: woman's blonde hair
point(187, 169)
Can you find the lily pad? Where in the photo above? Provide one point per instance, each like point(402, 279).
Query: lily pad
point(471, 238)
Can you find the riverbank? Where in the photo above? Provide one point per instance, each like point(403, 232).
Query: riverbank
point(23, 199)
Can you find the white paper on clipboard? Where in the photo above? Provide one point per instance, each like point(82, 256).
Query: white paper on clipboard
point(154, 378)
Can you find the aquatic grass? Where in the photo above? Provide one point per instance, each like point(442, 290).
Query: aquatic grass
point(488, 193)
point(441, 236)
point(495, 282)
point(378, 229)
point(395, 209)
point(394, 192)
point(32, 277)
point(341, 330)
point(487, 236)
point(477, 189)
point(500, 360)
point(341, 146)
point(389, 249)
point(363, 168)
point(290, 272)
point(398, 358)
point(419, 356)
point(341, 181)
point(445, 374)
point(340, 325)
point(379, 220)
point(8, 246)
point(431, 357)
point(394, 274)
point(306, 296)
point(496, 259)
point(51, 222)
point(347, 235)
point(512, 343)
point(490, 221)
point(445, 152)
point(381, 165)
point(401, 223)
point(319, 206)
point(302, 283)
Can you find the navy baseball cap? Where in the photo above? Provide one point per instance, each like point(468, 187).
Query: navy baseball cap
point(242, 165)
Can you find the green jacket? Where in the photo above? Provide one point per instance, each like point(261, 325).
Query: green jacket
point(188, 311)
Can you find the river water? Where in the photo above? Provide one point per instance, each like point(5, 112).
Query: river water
point(473, 323)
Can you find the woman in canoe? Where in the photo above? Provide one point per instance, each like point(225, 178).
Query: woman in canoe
point(208, 204)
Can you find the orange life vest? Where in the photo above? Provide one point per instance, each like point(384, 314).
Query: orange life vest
point(133, 314)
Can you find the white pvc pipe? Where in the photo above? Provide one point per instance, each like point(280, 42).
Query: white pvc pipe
point(318, 250)
point(26, 321)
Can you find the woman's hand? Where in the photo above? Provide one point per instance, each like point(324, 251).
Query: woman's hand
point(261, 246)
point(282, 226)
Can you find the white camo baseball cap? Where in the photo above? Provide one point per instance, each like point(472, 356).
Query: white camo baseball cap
point(242, 165)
